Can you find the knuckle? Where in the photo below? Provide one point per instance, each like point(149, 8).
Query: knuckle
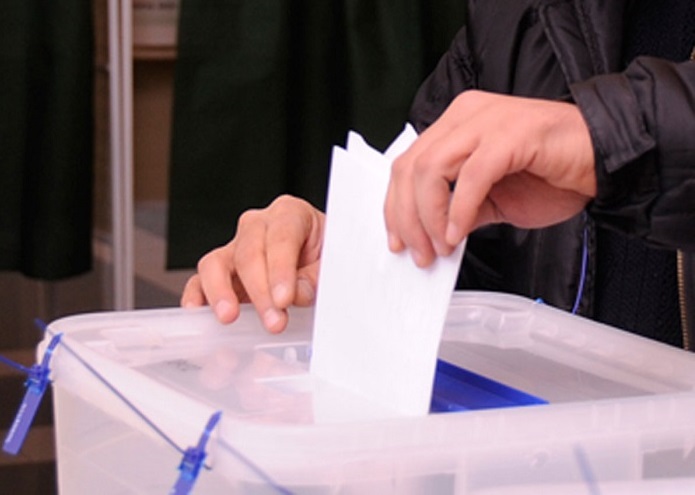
point(421, 164)
point(462, 98)
point(282, 202)
point(284, 198)
point(206, 261)
point(399, 165)
point(190, 284)
point(214, 259)
point(247, 218)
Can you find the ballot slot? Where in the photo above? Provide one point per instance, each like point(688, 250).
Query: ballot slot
point(456, 389)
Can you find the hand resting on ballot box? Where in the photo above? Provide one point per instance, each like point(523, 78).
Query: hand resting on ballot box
point(272, 262)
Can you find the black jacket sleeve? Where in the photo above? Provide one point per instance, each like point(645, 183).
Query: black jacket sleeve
point(453, 74)
point(503, 48)
point(642, 124)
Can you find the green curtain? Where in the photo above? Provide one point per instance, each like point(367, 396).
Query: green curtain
point(265, 88)
point(46, 75)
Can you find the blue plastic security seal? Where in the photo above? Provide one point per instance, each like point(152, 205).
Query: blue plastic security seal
point(193, 460)
point(36, 384)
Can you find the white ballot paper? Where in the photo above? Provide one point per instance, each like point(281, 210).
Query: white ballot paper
point(379, 318)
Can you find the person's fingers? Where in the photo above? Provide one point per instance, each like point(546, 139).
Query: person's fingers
point(214, 281)
point(403, 222)
point(435, 172)
point(250, 263)
point(283, 246)
point(307, 283)
point(471, 204)
point(390, 214)
point(192, 295)
point(293, 239)
point(399, 214)
point(417, 200)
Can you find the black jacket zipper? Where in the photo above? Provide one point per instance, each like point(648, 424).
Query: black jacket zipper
point(682, 301)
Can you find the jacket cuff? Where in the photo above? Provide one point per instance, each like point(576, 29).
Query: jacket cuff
point(615, 120)
point(620, 137)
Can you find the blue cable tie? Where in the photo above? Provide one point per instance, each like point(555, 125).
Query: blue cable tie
point(586, 471)
point(193, 460)
point(19, 367)
point(41, 325)
point(36, 384)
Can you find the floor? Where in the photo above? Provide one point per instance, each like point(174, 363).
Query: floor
point(22, 300)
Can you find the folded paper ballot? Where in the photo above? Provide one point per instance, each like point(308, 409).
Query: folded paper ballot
point(379, 317)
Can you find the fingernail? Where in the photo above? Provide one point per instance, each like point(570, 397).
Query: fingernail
point(441, 249)
point(224, 310)
point(395, 244)
point(453, 234)
point(280, 294)
point(418, 258)
point(305, 290)
point(271, 318)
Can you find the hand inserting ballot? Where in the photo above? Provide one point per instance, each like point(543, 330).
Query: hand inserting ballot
point(522, 161)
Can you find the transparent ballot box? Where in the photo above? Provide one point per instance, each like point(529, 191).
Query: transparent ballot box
point(526, 399)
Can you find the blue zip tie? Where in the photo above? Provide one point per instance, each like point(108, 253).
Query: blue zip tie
point(585, 264)
point(193, 460)
point(123, 398)
point(41, 325)
point(211, 424)
point(36, 384)
point(44, 328)
point(259, 472)
point(586, 471)
point(17, 366)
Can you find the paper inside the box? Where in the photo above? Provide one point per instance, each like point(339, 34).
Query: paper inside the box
point(378, 318)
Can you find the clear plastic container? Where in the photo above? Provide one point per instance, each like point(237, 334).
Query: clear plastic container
point(133, 390)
